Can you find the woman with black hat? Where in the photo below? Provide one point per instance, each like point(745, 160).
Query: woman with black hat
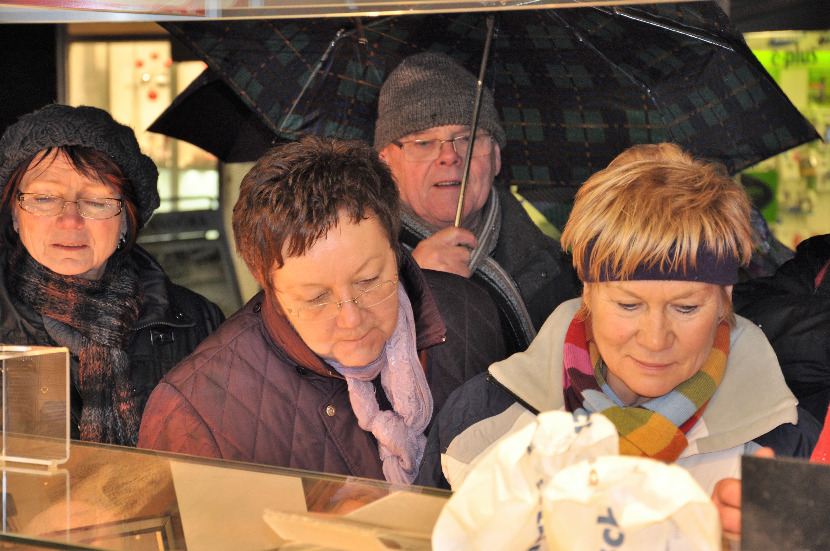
point(75, 190)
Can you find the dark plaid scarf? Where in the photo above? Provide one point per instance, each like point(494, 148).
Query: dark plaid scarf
point(104, 312)
point(657, 428)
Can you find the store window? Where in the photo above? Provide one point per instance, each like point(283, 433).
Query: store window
point(797, 204)
point(135, 79)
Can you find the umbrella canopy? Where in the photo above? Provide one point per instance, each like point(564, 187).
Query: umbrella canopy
point(209, 114)
point(574, 86)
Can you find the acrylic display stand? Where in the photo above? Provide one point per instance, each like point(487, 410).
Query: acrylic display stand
point(34, 426)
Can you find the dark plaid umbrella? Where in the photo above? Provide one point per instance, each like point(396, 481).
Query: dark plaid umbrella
point(209, 114)
point(574, 86)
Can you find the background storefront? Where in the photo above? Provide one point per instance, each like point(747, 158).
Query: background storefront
point(798, 203)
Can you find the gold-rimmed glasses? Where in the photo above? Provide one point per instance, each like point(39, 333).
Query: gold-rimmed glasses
point(41, 204)
point(328, 310)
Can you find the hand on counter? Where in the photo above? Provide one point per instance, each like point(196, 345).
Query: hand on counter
point(727, 498)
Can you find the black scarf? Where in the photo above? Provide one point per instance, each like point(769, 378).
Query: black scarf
point(104, 312)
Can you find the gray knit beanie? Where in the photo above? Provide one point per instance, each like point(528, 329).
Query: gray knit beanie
point(427, 90)
point(59, 125)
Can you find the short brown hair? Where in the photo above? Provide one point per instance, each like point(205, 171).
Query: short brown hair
point(295, 193)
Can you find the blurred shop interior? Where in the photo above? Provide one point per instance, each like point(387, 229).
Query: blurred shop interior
point(135, 69)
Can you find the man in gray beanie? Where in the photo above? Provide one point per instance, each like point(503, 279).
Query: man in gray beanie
point(422, 132)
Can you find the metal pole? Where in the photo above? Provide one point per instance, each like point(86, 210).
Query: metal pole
point(474, 124)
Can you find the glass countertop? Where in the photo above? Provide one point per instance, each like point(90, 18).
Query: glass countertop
point(111, 497)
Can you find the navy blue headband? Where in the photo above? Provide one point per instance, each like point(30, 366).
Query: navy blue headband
point(708, 269)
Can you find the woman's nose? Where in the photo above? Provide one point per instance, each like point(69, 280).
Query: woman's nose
point(655, 332)
point(350, 314)
point(70, 217)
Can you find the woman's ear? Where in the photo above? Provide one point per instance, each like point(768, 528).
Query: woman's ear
point(584, 310)
point(14, 219)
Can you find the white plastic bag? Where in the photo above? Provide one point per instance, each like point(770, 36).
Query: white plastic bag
point(498, 507)
point(628, 503)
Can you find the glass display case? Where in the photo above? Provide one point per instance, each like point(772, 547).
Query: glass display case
point(111, 497)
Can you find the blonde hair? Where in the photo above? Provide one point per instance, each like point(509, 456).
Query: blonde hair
point(655, 207)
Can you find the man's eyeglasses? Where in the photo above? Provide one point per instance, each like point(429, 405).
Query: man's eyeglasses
point(41, 204)
point(429, 150)
point(366, 299)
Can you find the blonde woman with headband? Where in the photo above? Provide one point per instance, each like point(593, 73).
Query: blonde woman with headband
point(653, 344)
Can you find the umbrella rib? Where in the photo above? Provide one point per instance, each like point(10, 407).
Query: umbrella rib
point(674, 28)
point(646, 90)
point(311, 77)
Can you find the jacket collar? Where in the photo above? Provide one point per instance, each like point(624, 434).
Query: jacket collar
point(429, 328)
point(156, 309)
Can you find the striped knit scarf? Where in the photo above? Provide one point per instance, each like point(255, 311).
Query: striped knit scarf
point(658, 428)
point(104, 312)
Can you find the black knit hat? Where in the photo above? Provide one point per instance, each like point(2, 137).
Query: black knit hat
point(432, 89)
point(59, 125)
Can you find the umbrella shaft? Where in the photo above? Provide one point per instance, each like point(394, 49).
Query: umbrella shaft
point(459, 212)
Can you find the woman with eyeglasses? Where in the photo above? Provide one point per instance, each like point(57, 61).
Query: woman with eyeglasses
point(75, 190)
point(338, 364)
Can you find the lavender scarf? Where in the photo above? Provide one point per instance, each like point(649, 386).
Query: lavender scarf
point(400, 432)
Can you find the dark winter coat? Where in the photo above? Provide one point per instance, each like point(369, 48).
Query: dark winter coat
point(543, 273)
point(255, 392)
point(172, 322)
point(793, 311)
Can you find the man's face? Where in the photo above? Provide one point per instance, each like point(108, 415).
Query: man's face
point(431, 188)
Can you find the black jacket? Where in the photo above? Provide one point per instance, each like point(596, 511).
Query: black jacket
point(172, 322)
point(542, 272)
point(794, 314)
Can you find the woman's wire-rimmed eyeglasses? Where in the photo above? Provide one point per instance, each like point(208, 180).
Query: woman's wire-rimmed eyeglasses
point(366, 299)
point(41, 204)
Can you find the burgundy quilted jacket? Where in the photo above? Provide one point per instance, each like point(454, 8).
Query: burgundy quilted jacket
point(254, 392)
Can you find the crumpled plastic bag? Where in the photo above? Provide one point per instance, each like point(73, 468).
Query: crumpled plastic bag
point(498, 506)
point(628, 503)
point(534, 490)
